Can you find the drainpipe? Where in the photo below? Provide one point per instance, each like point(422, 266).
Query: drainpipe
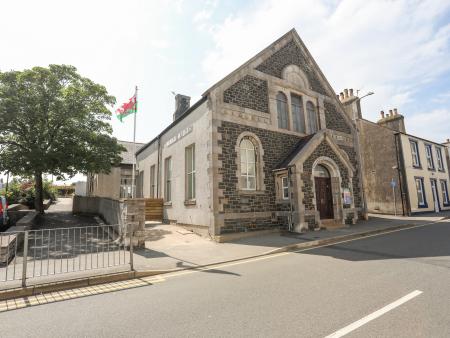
point(404, 193)
point(290, 223)
point(158, 178)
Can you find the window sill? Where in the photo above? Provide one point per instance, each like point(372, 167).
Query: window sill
point(282, 201)
point(424, 206)
point(190, 202)
point(431, 169)
point(441, 170)
point(251, 192)
point(417, 166)
point(167, 204)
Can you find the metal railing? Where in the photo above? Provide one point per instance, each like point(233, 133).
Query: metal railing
point(47, 252)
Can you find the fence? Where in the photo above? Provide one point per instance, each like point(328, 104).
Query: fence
point(154, 208)
point(47, 252)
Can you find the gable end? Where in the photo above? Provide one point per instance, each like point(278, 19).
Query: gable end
point(249, 92)
point(334, 120)
point(291, 54)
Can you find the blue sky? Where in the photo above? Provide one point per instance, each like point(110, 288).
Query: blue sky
point(398, 49)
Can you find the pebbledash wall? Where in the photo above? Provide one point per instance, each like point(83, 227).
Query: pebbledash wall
point(244, 105)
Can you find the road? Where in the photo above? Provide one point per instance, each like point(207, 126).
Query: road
point(312, 293)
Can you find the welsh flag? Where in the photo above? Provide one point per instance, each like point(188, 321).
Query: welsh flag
point(127, 108)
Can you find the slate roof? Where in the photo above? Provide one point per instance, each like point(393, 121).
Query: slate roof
point(298, 147)
point(128, 155)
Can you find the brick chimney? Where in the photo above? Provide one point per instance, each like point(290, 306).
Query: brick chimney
point(182, 103)
point(393, 120)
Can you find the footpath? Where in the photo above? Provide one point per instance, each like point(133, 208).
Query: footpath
point(172, 248)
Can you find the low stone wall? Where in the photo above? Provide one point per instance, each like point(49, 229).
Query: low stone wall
point(128, 213)
point(110, 210)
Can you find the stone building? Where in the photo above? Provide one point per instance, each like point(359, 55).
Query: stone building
point(116, 184)
point(267, 147)
point(402, 174)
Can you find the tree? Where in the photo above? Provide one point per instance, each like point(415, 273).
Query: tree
point(52, 120)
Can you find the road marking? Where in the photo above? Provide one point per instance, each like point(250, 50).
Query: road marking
point(353, 326)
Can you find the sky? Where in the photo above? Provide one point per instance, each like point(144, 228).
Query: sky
point(398, 49)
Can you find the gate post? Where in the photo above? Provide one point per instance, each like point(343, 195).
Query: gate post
point(25, 260)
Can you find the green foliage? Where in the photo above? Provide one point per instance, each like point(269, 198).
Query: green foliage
point(22, 191)
point(54, 121)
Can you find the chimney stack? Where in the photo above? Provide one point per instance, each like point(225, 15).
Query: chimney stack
point(393, 120)
point(346, 93)
point(182, 103)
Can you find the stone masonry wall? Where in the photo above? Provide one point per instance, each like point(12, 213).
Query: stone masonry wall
point(291, 54)
point(276, 147)
point(322, 150)
point(248, 92)
point(334, 120)
point(351, 152)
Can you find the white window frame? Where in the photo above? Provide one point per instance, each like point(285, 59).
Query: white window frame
point(190, 172)
point(444, 188)
point(245, 165)
point(284, 188)
point(415, 153)
point(168, 179)
point(440, 159)
point(420, 192)
point(429, 155)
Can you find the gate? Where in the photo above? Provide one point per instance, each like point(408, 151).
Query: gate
point(154, 208)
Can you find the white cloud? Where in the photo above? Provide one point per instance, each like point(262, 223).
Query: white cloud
point(390, 47)
point(432, 125)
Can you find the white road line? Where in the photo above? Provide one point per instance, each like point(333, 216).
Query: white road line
point(353, 326)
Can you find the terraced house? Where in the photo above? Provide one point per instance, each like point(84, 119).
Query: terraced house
point(269, 146)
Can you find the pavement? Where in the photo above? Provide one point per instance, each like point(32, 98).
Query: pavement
point(171, 247)
point(391, 285)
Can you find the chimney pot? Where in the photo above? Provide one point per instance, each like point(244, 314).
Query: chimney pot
point(351, 92)
point(390, 113)
point(448, 140)
point(395, 111)
point(346, 93)
point(341, 95)
point(382, 114)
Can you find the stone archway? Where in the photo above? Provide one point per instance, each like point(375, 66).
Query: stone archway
point(326, 179)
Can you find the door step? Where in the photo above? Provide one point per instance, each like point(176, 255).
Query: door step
point(331, 224)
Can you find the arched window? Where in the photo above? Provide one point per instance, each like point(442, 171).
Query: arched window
point(282, 111)
point(298, 115)
point(312, 117)
point(248, 164)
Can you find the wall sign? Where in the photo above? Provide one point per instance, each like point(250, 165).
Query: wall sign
point(347, 196)
point(179, 136)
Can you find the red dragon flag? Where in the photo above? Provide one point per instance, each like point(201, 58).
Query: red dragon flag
point(127, 108)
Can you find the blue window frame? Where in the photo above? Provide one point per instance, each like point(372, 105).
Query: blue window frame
point(445, 197)
point(429, 153)
point(415, 154)
point(421, 196)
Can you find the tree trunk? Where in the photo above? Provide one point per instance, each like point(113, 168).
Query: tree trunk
point(39, 198)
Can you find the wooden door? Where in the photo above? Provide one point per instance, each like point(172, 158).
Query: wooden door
point(324, 197)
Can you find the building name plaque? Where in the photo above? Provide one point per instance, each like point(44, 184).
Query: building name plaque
point(179, 136)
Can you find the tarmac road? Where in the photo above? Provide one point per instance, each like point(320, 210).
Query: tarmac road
point(359, 286)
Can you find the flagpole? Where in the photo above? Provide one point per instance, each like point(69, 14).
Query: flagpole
point(133, 177)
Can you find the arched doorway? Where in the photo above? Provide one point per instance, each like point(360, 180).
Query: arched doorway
point(324, 196)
